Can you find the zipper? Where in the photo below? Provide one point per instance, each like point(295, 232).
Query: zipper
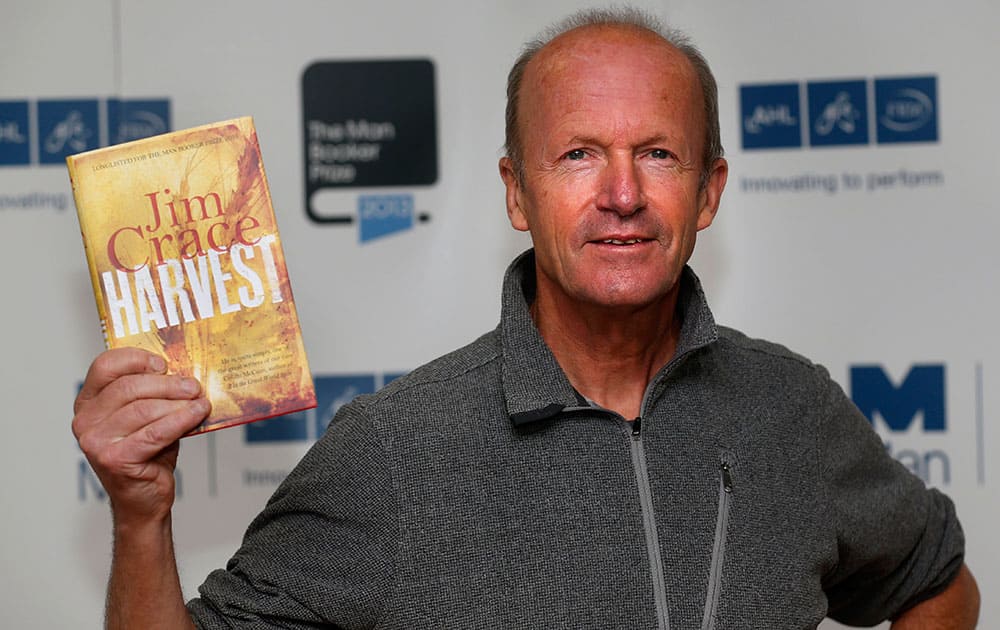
point(712, 596)
point(638, 454)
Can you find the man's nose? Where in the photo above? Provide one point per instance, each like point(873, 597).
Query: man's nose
point(621, 186)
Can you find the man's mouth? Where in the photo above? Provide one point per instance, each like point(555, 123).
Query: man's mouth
point(626, 241)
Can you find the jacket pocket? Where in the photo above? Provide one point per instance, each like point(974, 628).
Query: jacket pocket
point(726, 489)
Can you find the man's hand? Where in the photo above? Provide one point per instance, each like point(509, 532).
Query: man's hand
point(954, 608)
point(129, 416)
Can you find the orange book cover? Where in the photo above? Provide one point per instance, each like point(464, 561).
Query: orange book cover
point(186, 261)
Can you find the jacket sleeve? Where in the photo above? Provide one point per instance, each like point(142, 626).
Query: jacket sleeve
point(321, 552)
point(898, 542)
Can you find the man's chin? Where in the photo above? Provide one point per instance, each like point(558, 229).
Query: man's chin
point(626, 296)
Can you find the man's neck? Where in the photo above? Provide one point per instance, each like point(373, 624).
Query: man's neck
point(609, 354)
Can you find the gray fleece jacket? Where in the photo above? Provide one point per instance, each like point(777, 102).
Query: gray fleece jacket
point(481, 491)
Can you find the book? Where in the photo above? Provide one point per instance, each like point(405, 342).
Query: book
point(186, 261)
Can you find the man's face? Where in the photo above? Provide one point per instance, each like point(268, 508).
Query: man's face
point(612, 130)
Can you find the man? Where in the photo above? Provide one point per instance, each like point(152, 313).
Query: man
point(606, 458)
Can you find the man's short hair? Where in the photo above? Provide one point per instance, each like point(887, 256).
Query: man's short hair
point(627, 17)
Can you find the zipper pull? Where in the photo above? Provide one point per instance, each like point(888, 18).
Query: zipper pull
point(727, 477)
point(636, 427)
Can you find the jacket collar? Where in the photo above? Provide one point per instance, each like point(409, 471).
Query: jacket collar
point(535, 386)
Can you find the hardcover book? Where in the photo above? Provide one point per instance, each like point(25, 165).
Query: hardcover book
point(186, 261)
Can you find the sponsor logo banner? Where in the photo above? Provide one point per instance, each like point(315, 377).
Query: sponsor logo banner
point(65, 127)
point(15, 134)
point(911, 414)
point(368, 124)
point(770, 115)
point(838, 113)
point(905, 111)
point(136, 119)
point(382, 215)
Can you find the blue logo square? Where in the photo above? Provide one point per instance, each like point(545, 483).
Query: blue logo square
point(292, 427)
point(382, 215)
point(333, 392)
point(15, 135)
point(906, 109)
point(838, 113)
point(770, 117)
point(65, 128)
point(134, 119)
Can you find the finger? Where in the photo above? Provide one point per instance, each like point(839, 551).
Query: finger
point(137, 416)
point(142, 430)
point(149, 440)
point(128, 389)
point(113, 364)
point(132, 387)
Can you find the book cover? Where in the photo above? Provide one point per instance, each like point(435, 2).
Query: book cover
point(186, 261)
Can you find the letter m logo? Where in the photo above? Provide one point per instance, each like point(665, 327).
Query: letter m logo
point(921, 392)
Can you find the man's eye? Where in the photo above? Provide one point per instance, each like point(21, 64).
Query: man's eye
point(659, 154)
point(576, 154)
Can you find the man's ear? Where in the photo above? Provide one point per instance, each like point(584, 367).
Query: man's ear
point(711, 194)
point(514, 195)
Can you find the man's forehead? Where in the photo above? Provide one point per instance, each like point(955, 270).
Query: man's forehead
point(598, 67)
point(600, 44)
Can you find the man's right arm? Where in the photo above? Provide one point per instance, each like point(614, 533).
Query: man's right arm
point(129, 416)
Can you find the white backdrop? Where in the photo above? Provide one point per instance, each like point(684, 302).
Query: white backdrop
point(896, 276)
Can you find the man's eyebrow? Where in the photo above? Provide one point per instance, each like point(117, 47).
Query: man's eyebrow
point(660, 138)
point(593, 140)
point(587, 140)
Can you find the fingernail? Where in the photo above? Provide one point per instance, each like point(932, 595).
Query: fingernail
point(157, 364)
point(190, 386)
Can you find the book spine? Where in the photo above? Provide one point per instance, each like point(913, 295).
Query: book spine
point(95, 280)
